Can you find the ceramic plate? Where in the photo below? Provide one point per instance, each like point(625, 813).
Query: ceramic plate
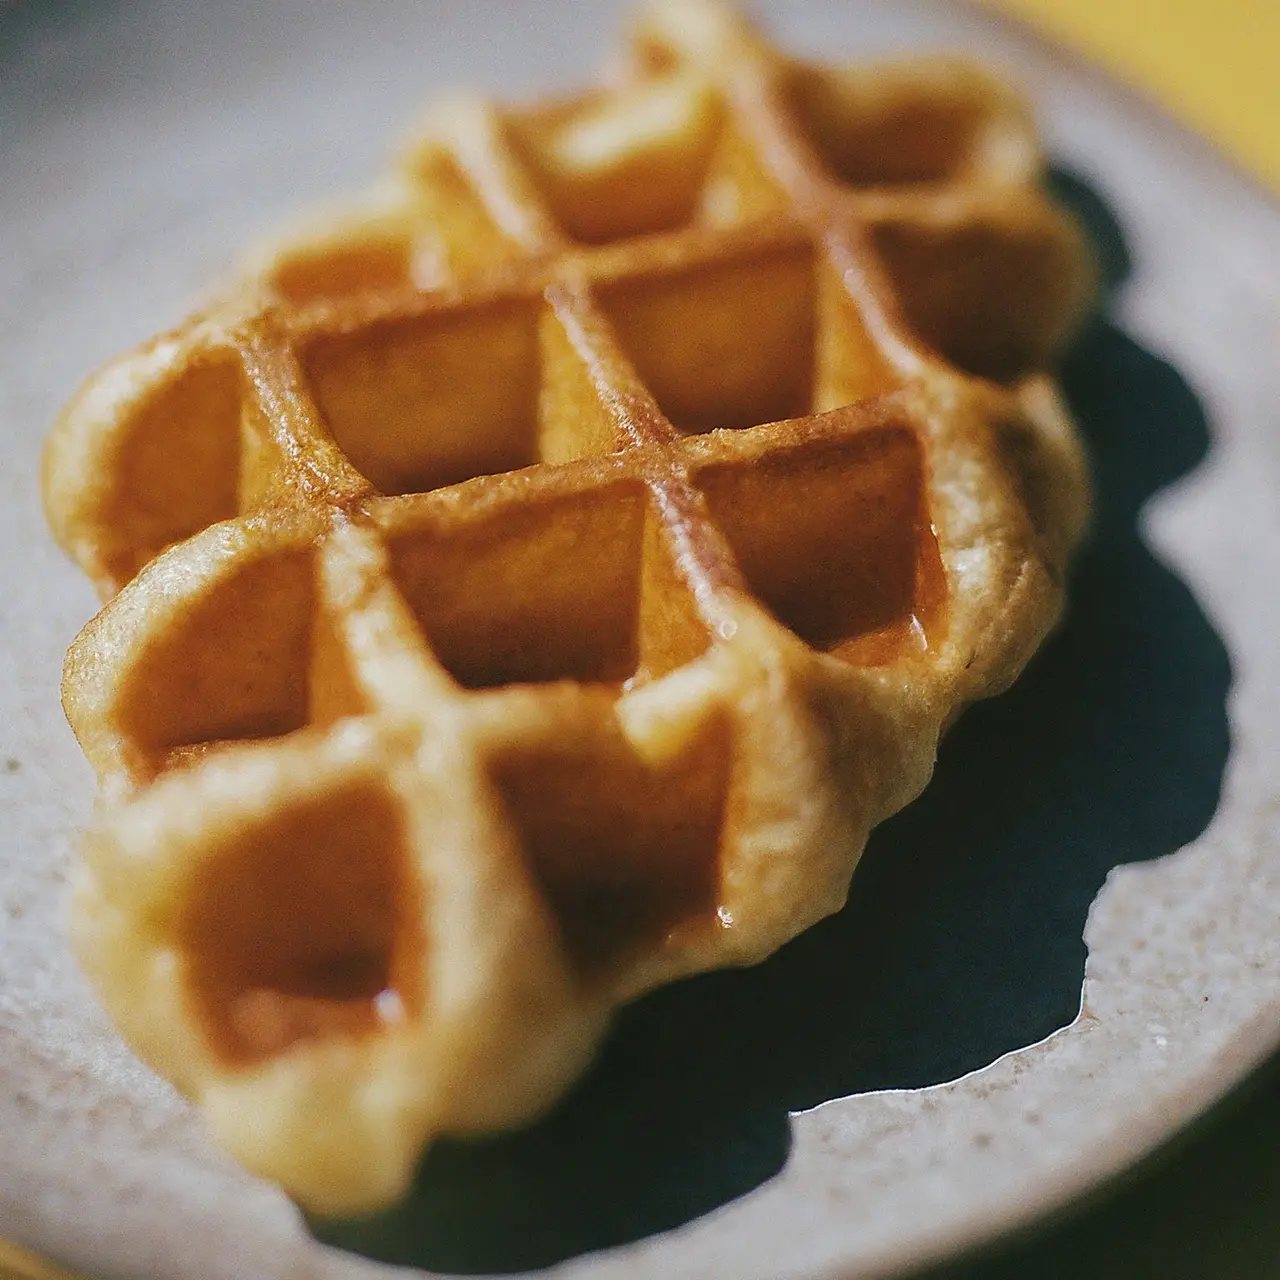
point(912, 1076)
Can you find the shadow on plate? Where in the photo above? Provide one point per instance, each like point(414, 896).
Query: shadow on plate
point(962, 936)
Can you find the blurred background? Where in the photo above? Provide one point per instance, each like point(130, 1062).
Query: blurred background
point(1216, 63)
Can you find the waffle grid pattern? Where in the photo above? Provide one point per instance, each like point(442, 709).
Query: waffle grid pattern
point(534, 587)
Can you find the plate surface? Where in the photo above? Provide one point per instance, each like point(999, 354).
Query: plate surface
point(144, 145)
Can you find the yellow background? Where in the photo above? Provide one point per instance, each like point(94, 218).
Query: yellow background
point(1214, 63)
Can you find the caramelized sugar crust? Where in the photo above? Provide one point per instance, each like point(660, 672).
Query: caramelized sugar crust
point(533, 586)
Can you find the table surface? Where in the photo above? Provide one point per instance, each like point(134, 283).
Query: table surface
point(1204, 1205)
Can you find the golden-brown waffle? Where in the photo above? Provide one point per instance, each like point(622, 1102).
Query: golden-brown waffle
point(533, 587)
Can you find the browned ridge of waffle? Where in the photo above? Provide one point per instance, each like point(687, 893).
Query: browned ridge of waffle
point(533, 586)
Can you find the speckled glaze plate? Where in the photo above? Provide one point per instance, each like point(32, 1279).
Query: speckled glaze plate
point(912, 1076)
